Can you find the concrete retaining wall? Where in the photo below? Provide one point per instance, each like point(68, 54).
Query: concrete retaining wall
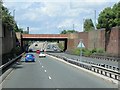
point(8, 40)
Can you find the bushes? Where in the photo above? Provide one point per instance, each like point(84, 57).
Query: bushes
point(94, 50)
point(8, 56)
point(86, 52)
point(16, 50)
point(76, 51)
point(61, 46)
point(100, 51)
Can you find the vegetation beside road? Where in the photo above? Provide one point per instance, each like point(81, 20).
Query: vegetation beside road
point(68, 31)
point(8, 20)
point(86, 52)
point(60, 45)
point(9, 56)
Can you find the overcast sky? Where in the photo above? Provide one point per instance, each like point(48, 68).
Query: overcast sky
point(53, 16)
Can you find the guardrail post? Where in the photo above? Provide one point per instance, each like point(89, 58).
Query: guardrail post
point(109, 71)
point(97, 70)
point(105, 73)
point(101, 72)
point(110, 75)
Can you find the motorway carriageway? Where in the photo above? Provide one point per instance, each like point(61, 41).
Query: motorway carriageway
point(51, 73)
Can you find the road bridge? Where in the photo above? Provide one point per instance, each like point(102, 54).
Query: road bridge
point(45, 37)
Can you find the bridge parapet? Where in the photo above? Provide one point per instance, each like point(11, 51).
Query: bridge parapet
point(59, 36)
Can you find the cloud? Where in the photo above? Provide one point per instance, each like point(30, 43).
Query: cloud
point(69, 24)
point(50, 16)
point(18, 5)
point(36, 0)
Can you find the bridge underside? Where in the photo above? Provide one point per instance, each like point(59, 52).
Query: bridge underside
point(46, 39)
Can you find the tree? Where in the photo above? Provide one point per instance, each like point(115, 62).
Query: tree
point(88, 25)
point(0, 11)
point(108, 18)
point(8, 20)
point(105, 20)
point(68, 31)
point(20, 30)
point(116, 10)
point(63, 32)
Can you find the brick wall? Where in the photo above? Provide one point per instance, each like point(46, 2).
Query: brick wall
point(114, 40)
point(96, 39)
point(19, 36)
point(84, 37)
point(8, 40)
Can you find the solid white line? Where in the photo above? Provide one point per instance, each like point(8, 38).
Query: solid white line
point(49, 77)
point(96, 74)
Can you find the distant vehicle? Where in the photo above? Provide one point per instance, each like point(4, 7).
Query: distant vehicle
point(55, 49)
point(48, 47)
point(30, 50)
point(42, 55)
point(29, 57)
point(36, 44)
point(41, 50)
point(38, 51)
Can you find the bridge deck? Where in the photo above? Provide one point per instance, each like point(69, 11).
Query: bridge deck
point(45, 36)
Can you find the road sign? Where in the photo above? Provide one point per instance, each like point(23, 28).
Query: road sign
point(81, 45)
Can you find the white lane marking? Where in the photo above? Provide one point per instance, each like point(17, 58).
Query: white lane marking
point(45, 71)
point(96, 74)
point(42, 66)
point(49, 77)
point(39, 62)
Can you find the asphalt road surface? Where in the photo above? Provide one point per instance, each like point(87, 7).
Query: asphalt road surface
point(51, 73)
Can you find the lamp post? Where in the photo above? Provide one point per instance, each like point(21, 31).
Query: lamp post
point(83, 23)
point(95, 18)
point(73, 27)
point(81, 48)
point(95, 37)
point(14, 14)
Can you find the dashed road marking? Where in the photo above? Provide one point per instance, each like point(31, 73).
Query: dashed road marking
point(45, 71)
point(40, 62)
point(42, 66)
point(49, 77)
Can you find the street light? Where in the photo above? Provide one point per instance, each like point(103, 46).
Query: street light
point(14, 14)
point(73, 27)
point(95, 37)
point(95, 19)
point(83, 23)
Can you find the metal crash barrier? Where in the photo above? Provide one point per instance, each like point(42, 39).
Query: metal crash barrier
point(103, 69)
point(10, 62)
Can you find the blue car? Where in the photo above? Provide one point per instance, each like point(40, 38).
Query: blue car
point(29, 57)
